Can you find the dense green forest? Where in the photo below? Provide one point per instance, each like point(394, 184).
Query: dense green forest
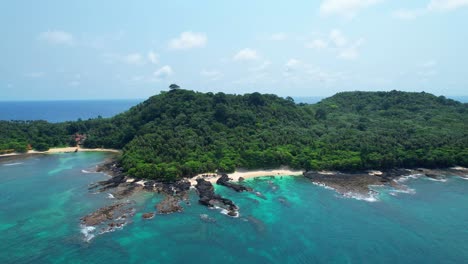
point(181, 133)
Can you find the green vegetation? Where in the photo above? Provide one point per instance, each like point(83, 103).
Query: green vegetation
point(182, 133)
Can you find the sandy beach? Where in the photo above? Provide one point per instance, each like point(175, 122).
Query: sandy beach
point(246, 174)
point(62, 150)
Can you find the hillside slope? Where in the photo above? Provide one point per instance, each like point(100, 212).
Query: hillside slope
point(182, 133)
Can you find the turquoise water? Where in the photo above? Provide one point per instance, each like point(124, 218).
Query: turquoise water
point(43, 197)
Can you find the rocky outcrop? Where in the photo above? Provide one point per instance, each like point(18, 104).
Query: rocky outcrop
point(147, 215)
point(209, 198)
point(224, 180)
point(115, 215)
point(170, 204)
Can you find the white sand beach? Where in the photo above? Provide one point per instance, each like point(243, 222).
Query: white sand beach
point(246, 174)
point(62, 150)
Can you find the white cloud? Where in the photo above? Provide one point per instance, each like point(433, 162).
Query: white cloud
point(133, 59)
point(35, 74)
point(429, 64)
point(351, 52)
point(291, 67)
point(163, 72)
point(432, 6)
point(246, 55)
point(278, 36)
point(446, 5)
point(261, 67)
point(338, 38)
point(153, 57)
point(317, 44)
point(408, 14)
point(212, 75)
point(345, 8)
point(57, 37)
point(188, 40)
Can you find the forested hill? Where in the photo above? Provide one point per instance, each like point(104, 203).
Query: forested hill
point(181, 133)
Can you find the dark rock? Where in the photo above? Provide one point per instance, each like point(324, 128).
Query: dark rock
point(170, 204)
point(209, 198)
point(148, 215)
point(241, 179)
point(109, 215)
point(224, 180)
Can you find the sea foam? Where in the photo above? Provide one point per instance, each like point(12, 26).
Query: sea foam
point(88, 232)
point(12, 164)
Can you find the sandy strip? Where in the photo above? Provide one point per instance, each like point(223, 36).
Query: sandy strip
point(248, 174)
point(62, 150)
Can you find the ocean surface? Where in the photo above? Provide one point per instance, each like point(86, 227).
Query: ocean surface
point(59, 111)
point(42, 199)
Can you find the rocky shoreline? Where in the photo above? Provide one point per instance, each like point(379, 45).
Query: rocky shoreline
point(359, 183)
point(119, 214)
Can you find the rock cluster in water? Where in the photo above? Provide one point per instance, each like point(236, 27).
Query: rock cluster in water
point(224, 180)
point(209, 198)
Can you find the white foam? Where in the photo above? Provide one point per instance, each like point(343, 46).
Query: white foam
point(88, 231)
point(225, 212)
point(437, 180)
point(110, 196)
point(464, 178)
point(371, 198)
point(13, 164)
point(405, 178)
point(86, 171)
point(323, 186)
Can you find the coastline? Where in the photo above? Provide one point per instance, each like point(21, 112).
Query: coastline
point(246, 174)
point(61, 150)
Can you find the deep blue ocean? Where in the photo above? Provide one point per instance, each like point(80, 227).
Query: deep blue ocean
point(59, 111)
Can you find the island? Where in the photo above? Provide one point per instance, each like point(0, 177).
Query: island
point(182, 138)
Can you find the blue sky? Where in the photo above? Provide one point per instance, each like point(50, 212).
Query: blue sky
point(120, 49)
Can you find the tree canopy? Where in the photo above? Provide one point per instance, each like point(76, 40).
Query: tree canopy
point(182, 133)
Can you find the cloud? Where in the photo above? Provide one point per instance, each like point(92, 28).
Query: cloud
point(345, 8)
point(351, 52)
point(292, 66)
point(432, 6)
point(317, 44)
point(278, 36)
point(447, 5)
point(35, 75)
point(163, 72)
point(246, 55)
point(260, 67)
point(408, 14)
point(212, 75)
point(338, 38)
point(429, 64)
point(133, 59)
point(188, 40)
point(57, 37)
point(153, 57)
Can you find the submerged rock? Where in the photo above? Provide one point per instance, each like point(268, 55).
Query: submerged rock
point(206, 218)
